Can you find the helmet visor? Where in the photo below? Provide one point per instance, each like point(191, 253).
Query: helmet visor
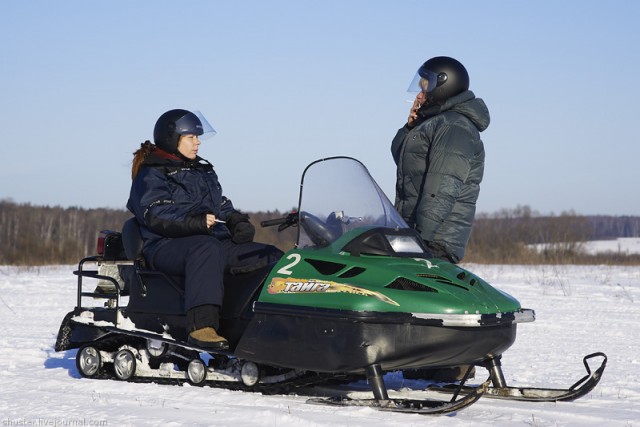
point(424, 81)
point(207, 130)
point(195, 124)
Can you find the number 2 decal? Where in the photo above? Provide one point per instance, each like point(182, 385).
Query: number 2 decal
point(286, 269)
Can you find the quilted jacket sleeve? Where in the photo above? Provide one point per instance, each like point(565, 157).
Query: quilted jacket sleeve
point(151, 201)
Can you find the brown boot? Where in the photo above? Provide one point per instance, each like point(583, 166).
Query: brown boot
point(208, 338)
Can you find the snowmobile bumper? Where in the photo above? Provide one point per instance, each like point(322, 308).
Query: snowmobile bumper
point(78, 329)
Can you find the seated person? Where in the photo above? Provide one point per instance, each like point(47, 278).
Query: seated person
point(188, 227)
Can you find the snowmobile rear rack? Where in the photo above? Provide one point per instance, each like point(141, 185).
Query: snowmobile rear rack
point(534, 394)
point(94, 274)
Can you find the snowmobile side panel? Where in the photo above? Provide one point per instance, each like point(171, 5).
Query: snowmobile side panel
point(347, 341)
point(153, 291)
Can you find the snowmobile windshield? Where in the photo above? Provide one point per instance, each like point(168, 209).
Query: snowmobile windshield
point(338, 195)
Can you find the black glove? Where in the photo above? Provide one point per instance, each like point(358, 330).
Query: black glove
point(242, 231)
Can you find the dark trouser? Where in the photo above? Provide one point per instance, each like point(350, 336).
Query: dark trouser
point(203, 260)
point(247, 257)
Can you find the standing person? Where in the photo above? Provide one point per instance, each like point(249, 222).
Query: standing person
point(188, 227)
point(440, 157)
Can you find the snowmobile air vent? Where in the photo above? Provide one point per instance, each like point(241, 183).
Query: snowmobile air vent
point(441, 279)
point(352, 272)
point(403, 284)
point(462, 275)
point(325, 267)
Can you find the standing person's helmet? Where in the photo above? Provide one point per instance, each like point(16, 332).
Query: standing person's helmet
point(443, 77)
point(174, 123)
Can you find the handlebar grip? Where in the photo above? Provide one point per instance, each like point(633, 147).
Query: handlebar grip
point(272, 222)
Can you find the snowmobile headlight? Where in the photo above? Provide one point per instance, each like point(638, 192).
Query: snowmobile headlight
point(395, 242)
point(404, 244)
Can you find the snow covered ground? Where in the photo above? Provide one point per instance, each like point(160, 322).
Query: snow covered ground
point(580, 310)
point(622, 245)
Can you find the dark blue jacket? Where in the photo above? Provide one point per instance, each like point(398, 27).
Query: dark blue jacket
point(171, 197)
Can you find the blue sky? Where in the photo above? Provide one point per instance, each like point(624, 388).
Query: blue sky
point(287, 82)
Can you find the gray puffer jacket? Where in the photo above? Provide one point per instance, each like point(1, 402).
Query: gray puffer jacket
point(440, 166)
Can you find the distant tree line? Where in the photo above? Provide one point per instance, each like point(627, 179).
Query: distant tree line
point(610, 227)
point(524, 236)
point(40, 235)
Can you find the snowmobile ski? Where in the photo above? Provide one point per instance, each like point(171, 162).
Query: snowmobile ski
point(411, 406)
point(535, 394)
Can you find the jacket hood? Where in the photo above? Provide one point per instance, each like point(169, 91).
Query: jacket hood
point(471, 107)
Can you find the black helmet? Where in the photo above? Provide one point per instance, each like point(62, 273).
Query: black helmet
point(171, 125)
point(447, 77)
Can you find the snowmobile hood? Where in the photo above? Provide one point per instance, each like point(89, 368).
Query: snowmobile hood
point(355, 253)
point(384, 284)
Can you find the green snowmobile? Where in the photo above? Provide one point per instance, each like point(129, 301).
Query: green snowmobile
point(359, 295)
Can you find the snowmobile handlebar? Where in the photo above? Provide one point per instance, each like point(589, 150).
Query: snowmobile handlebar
point(284, 222)
point(272, 222)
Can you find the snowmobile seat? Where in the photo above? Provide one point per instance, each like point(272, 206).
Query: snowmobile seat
point(151, 290)
point(132, 239)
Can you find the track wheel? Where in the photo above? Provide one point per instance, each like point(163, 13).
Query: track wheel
point(196, 372)
point(124, 364)
point(250, 374)
point(88, 361)
point(156, 348)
